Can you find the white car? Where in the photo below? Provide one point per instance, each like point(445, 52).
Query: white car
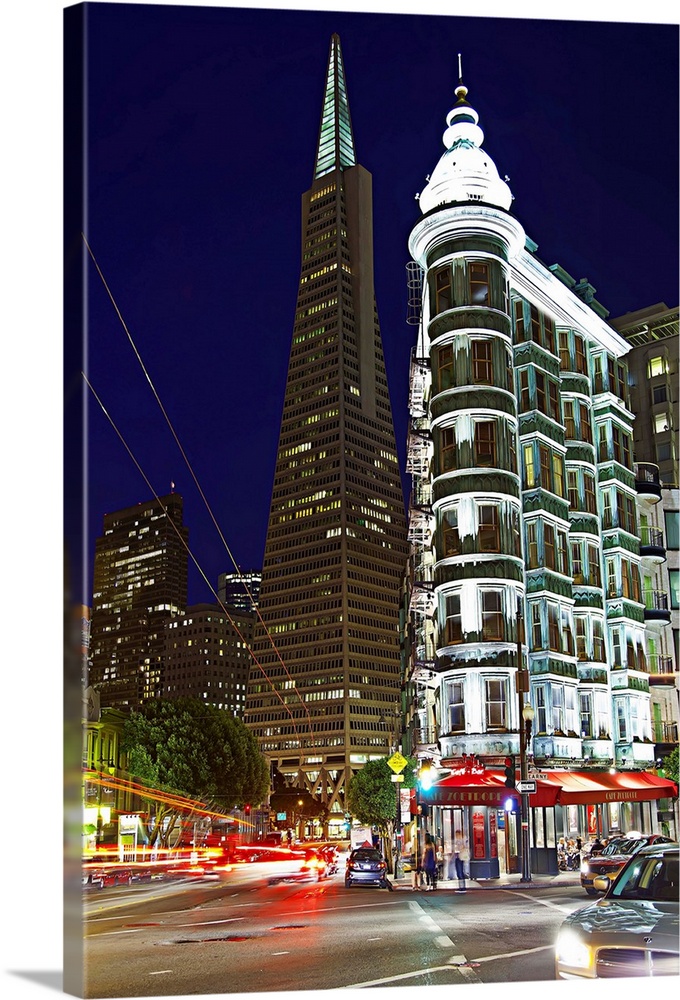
point(633, 929)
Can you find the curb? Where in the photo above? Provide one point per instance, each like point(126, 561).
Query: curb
point(502, 882)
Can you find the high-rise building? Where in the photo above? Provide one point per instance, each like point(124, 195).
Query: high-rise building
point(240, 590)
point(207, 656)
point(140, 582)
point(327, 670)
point(525, 585)
point(652, 334)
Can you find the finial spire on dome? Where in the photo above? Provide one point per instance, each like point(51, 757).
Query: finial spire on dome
point(466, 172)
point(335, 147)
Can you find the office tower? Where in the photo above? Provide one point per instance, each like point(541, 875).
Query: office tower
point(336, 540)
point(652, 334)
point(240, 590)
point(525, 584)
point(207, 656)
point(140, 581)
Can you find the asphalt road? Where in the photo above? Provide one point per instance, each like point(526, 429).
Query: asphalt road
point(242, 934)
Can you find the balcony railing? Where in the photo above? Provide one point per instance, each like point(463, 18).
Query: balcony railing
point(655, 600)
point(660, 664)
point(665, 732)
point(425, 737)
point(647, 481)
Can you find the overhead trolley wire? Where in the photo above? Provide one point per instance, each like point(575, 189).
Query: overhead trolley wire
point(203, 497)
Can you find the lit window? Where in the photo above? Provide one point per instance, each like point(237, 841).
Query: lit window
point(479, 284)
point(661, 423)
point(656, 366)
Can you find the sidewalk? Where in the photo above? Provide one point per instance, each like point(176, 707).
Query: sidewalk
point(504, 881)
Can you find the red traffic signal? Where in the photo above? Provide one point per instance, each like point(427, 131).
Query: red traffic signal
point(510, 772)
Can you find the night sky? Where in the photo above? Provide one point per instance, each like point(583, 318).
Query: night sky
point(202, 127)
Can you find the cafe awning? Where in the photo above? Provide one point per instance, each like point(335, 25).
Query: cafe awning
point(591, 787)
point(487, 787)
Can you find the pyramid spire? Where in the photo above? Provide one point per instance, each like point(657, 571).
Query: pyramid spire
point(335, 148)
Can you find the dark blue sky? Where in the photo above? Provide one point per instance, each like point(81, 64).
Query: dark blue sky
point(202, 127)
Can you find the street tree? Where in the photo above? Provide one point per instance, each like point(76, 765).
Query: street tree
point(671, 765)
point(187, 749)
point(372, 796)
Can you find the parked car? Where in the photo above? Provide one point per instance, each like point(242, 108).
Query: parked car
point(633, 929)
point(366, 866)
point(613, 858)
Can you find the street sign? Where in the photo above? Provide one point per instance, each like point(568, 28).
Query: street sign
point(397, 762)
point(527, 787)
point(396, 777)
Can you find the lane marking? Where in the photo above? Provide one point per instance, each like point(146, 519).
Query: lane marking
point(545, 902)
point(515, 954)
point(161, 972)
point(412, 975)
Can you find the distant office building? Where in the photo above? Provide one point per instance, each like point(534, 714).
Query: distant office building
point(207, 656)
point(336, 540)
point(140, 582)
point(654, 388)
point(240, 590)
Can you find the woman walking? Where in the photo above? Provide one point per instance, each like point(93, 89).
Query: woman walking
point(430, 862)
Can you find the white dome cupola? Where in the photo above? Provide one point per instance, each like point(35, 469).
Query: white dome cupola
point(466, 172)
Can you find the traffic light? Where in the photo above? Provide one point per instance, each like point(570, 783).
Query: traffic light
point(509, 772)
point(426, 775)
point(246, 808)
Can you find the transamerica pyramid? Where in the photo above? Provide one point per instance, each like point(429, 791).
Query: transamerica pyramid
point(327, 675)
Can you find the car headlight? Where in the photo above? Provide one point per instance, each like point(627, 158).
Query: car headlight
point(571, 950)
point(585, 867)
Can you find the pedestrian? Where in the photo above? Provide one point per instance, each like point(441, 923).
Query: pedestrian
point(430, 862)
point(461, 855)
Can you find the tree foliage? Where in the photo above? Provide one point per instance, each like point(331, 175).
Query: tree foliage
point(671, 765)
point(194, 750)
point(372, 795)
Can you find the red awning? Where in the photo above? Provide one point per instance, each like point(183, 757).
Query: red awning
point(590, 787)
point(463, 787)
point(484, 788)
